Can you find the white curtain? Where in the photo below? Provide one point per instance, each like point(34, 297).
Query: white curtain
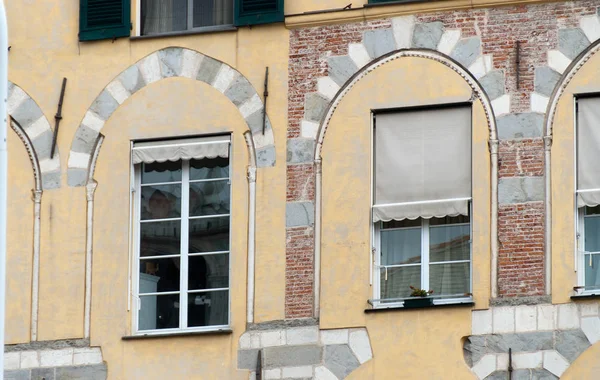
point(588, 152)
point(162, 16)
point(213, 12)
point(181, 149)
point(422, 163)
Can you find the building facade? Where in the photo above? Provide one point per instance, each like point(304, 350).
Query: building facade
point(245, 189)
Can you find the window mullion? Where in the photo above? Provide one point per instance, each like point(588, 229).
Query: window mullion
point(425, 255)
point(185, 210)
point(190, 15)
point(137, 236)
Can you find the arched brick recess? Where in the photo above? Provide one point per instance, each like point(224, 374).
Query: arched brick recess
point(34, 130)
point(167, 63)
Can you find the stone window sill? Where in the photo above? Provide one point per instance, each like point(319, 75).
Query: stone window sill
point(177, 334)
point(210, 29)
point(468, 303)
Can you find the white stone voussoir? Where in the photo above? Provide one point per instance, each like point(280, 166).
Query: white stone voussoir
point(93, 121)
point(558, 61)
point(78, 160)
point(359, 55)
point(448, 41)
point(118, 91)
point(224, 78)
point(327, 87)
point(17, 97)
point(485, 367)
point(591, 328)
point(338, 336)
point(360, 345)
point(191, 63)
point(322, 373)
point(150, 68)
point(555, 363)
point(539, 103)
point(501, 105)
point(250, 106)
point(403, 29)
point(591, 27)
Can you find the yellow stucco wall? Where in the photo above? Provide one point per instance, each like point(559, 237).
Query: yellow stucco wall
point(409, 339)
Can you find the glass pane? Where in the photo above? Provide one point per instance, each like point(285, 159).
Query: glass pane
point(209, 198)
point(592, 233)
point(160, 238)
point(449, 243)
point(159, 312)
point(592, 272)
point(208, 308)
point(208, 272)
point(450, 279)
point(209, 235)
point(401, 246)
point(159, 275)
point(161, 202)
point(162, 16)
point(399, 280)
point(160, 172)
point(209, 168)
point(213, 12)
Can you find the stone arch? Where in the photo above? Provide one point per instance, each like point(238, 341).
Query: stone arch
point(31, 125)
point(167, 63)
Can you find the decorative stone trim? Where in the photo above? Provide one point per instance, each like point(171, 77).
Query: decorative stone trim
point(543, 338)
point(304, 352)
point(34, 124)
point(167, 63)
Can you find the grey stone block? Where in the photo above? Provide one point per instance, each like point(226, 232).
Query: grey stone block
point(493, 84)
point(104, 105)
point(43, 145)
point(545, 80)
point(315, 107)
point(43, 374)
point(474, 349)
point(300, 151)
point(77, 177)
point(498, 375)
point(299, 214)
point(340, 360)
point(535, 341)
point(89, 372)
point(265, 157)
point(248, 359)
point(542, 374)
point(240, 90)
point(466, 51)
point(379, 42)
point(51, 180)
point(19, 374)
point(85, 139)
point(571, 42)
point(520, 190)
point(11, 87)
point(291, 356)
point(571, 343)
point(209, 68)
point(427, 36)
point(520, 126)
point(132, 79)
point(521, 374)
point(27, 113)
point(255, 122)
point(170, 62)
point(341, 69)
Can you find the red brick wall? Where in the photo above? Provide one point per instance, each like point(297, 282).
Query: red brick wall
point(521, 227)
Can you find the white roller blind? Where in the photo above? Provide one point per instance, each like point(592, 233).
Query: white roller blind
point(588, 152)
point(422, 163)
point(181, 149)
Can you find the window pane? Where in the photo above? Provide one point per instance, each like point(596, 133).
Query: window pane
point(160, 238)
point(401, 246)
point(450, 279)
point(449, 243)
point(161, 202)
point(592, 272)
point(213, 12)
point(592, 233)
point(208, 272)
point(159, 275)
point(399, 281)
point(209, 235)
point(162, 16)
point(209, 198)
point(209, 168)
point(208, 308)
point(159, 172)
point(159, 312)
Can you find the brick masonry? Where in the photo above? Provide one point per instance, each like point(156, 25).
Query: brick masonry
point(549, 36)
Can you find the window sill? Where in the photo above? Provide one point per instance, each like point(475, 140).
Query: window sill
point(178, 334)
point(395, 2)
point(586, 296)
point(209, 29)
point(466, 303)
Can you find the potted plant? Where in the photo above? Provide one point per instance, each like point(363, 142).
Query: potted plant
point(419, 298)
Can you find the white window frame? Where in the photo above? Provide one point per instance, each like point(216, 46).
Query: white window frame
point(184, 255)
point(581, 252)
point(190, 21)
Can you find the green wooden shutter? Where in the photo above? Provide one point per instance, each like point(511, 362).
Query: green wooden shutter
point(104, 19)
point(254, 12)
